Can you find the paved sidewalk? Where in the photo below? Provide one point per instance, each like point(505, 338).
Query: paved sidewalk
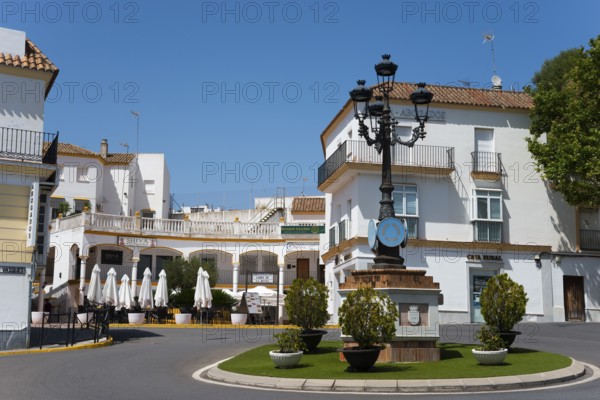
point(88, 344)
point(516, 382)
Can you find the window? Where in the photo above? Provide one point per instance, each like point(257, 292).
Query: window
point(332, 236)
point(406, 205)
point(54, 205)
point(82, 174)
point(149, 187)
point(343, 235)
point(487, 216)
point(148, 214)
point(488, 205)
point(80, 204)
point(61, 173)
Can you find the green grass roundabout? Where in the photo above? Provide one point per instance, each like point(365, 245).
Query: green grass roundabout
point(456, 362)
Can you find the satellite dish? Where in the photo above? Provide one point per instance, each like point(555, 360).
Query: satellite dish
point(496, 81)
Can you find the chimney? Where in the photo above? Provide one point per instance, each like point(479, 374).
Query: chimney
point(104, 148)
point(12, 42)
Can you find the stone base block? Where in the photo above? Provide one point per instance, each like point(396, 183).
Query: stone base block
point(405, 351)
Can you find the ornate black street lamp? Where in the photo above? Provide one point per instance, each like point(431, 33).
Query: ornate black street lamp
point(386, 237)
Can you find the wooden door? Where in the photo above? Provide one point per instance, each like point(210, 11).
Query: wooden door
point(302, 268)
point(574, 298)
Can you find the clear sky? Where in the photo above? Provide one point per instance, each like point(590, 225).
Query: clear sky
point(236, 93)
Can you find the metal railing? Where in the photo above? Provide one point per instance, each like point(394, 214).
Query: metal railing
point(487, 231)
point(356, 151)
point(22, 144)
point(486, 162)
point(589, 239)
point(173, 227)
point(65, 329)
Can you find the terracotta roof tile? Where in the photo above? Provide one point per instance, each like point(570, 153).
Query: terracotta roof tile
point(67, 148)
point(466, 96)
point(33, 59)
point(119, 158)
point(308, 205)
point(111, 158)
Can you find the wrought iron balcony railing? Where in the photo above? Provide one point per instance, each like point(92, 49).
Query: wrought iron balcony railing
point(25, 145)
point(487, 231)
point(486, 162)
point(355, 151)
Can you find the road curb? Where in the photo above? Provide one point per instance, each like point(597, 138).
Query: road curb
point(414, 386)
point(83, 346)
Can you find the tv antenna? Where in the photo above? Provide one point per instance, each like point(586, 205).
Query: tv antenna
point(496, 80)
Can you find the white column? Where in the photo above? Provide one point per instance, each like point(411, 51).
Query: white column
point(82, 279)
point(134, 278)
point(236, 276)
point(281, 278)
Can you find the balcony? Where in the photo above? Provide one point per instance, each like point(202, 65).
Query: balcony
point(486, 165)
point(428, 159)
point(176, 227)
point(589, 239)
point(24, 145)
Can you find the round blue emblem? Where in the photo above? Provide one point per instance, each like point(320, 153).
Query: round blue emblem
point(391, 232)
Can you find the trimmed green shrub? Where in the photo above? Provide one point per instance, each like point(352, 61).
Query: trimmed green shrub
point(369, 316)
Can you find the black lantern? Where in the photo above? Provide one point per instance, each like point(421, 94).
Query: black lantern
point(386, 73)
point(361, 96)
point(421, 97)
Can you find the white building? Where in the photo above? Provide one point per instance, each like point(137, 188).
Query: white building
point(28, 174)
point(112, 183)
point(270, 245)
point(474, 205)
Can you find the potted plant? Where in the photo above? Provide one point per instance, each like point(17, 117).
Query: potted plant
point(291, 348)
point(183, 275)
point(238, 317)
point(369, 316)
point(503, 304)
point(492, 350)
point(136, 316)
point(306, 306)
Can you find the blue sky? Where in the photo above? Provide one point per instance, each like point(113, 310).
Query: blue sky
point(236, 94)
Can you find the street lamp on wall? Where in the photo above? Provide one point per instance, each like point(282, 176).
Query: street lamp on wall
point(389, 233)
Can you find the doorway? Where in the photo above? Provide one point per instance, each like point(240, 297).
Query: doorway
point(302, 268)
point(478, 283)
point(574, 298)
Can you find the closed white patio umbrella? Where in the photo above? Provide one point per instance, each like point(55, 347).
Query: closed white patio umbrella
point(94, 293)
point(199, 294)
point(109, 292)
point(208, 293)
point(125, 297)
point(161, 297)
point(145, 297)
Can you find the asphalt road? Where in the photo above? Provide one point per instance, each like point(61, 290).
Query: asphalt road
point(158, 364)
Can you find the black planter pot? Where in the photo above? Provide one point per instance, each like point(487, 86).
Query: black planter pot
point(361, 359)
point(312, 339)
point(509, 337)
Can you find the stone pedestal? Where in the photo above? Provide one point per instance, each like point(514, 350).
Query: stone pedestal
point(417, 296)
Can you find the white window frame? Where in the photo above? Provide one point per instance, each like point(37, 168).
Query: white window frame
point(152, 185)
point(82, 174)
point(474, 215)
point(403, 191)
